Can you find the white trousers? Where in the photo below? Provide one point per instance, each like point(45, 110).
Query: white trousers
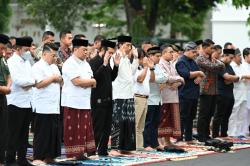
point(238, 119)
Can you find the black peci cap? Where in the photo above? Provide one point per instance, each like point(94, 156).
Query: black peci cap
point(4, 39)
point(24, 41)
point(107, 43)
point(80, 42)
point(228, 51)
point(124, 38)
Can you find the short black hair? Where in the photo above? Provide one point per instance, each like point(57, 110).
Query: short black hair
point(9, 45)
point(63, 34)
point(246, 52)
point(227, 44)
point(217, 47)
point(99, 38)
point(146, 42)
point(12, 37)
point(207, 43)
point(47, 33)
point(141, 53)
point(79, 36)
point(164, 46)
point(49, 47)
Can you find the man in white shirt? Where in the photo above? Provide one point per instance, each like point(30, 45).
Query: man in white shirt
point(150, 134)
point(143, 75)
point(76, 91)
point(239, 112)
point(123, 118)
point(19, 103)
point(46, 103)
point(246, 64)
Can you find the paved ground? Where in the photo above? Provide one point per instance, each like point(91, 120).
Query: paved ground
point(239, 158)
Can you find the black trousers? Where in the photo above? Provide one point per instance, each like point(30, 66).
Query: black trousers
point(3, 127)
point(188, 110)
point(150, 133)
point(206, 112)
point(47, 136)
point(18, 131)
point(221, 116)
point(102, 120)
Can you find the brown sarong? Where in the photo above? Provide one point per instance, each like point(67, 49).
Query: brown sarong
point(169, 121)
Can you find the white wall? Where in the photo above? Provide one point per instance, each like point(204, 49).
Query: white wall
point(229, 25)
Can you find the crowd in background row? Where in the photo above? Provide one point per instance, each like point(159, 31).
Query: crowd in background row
point(80, 95)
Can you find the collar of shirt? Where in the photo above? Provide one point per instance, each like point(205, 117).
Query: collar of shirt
point(79, 61)
point(15, 55)
point(187, 58)
point(234, 64)
point(44, 62)
point(165, 62)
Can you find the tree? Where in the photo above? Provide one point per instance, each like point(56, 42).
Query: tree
point(62, 15)
point(5, 15)
point(142, 16)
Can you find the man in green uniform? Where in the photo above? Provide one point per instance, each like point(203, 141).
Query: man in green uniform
point(5, 84)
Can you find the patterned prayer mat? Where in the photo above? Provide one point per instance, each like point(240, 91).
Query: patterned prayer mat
point(143, 157)
point(147, 157)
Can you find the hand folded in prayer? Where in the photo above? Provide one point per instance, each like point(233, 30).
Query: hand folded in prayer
point(198, 80)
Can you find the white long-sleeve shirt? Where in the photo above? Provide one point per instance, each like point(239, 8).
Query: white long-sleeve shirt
point(240, 88)
point(20, 71)
point(124, 83)
point(247, 67)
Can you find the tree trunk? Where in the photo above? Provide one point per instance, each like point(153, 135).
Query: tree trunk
point(139, 23)
point(152, 19)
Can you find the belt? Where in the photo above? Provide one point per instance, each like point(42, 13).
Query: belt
point(141, 96)
point(103, 100)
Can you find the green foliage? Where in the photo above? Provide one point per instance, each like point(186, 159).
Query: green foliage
point(142, 16)
point(61, 14)
point(5, 14)
point(107, 13)
point(241, 3)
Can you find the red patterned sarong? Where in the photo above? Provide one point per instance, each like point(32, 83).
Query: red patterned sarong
point(170, 121)
point(78, 132)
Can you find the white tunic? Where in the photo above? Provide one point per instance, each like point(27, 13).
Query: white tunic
point(240, 88)
point(75, 96)
point(123, 85)
point(20, 71)
point(247, 67)
point(46, 100)
point(237, 121)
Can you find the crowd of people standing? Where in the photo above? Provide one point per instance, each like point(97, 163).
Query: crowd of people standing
point(83, 95)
